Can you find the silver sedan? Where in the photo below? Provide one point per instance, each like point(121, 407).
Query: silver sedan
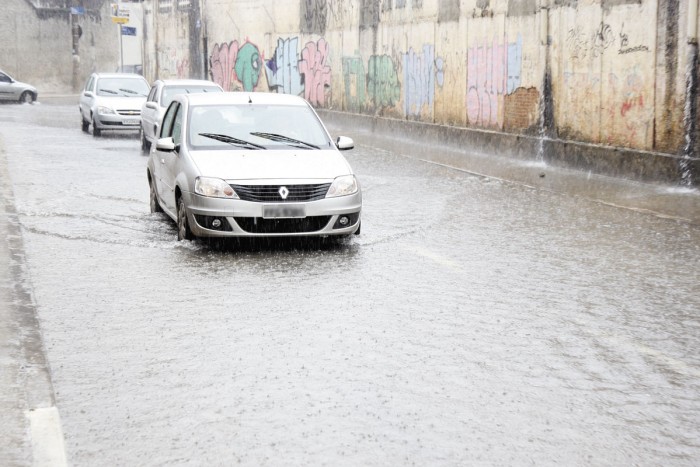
point(251, 165)
point(12, 90)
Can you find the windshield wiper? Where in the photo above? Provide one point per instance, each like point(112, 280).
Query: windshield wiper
point(285, 139)
point(130, 91)
point(232, 140)
point(109, 91)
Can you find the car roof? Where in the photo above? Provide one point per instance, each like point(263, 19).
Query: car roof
point(241, 97)
point(119, 75)
point(186, 82)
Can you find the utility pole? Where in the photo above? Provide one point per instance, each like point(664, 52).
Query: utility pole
point(76, 32)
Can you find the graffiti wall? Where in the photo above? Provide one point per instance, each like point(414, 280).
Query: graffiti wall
point(480, 66)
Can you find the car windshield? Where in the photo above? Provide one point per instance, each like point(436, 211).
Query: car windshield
point(265, 126)
point(171, 91)
point(123, 87)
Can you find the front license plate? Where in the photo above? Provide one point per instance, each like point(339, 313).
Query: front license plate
point(131, 122)
point(283, 211)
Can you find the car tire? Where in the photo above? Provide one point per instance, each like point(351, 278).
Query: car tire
point(95, 131)
point(183, 227)
point(359, 227)
point(84, 124)
point(26, 97)
point(145, 144)
point(155, 204)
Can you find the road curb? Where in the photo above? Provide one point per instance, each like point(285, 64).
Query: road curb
point(31, 424)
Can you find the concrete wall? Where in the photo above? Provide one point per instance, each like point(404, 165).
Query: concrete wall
point(36, 42)
point(608, 72)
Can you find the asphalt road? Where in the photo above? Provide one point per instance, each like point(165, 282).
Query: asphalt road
point(475, 320)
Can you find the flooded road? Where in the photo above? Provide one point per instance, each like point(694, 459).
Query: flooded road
point(474, 321)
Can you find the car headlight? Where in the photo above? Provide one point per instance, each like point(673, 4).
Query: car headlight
point(105, 110)
point(342, 186)
point(214, 188)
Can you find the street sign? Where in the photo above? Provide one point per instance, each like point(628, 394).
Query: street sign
point(77, 10)
point(128, 31)
point(120, 15)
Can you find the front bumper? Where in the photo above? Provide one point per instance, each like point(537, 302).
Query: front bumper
point(117, 122)
point(245, 218)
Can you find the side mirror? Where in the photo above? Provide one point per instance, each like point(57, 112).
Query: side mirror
point(344, 143)
point(165, 145)
point(152, 105)
point(88, 94)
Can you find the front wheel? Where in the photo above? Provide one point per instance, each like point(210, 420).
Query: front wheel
point(95, 131)
point(26, 97)
point(183, 227)
point(84, 124)
point(145, 145)
point(155, 205)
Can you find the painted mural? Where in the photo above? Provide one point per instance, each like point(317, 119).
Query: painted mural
point(236, 67)
point(493, 71)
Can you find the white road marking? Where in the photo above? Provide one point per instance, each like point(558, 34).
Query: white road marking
point(441, 260)
point(47, 438)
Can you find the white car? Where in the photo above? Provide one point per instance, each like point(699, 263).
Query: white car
point(162, 93)
point(11, 90)
point(251, 164)
point(112, 101)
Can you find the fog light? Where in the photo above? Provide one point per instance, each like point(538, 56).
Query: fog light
point(344, 220)
point(216, 223)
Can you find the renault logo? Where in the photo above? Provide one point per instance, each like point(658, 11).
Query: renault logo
point(284, 192)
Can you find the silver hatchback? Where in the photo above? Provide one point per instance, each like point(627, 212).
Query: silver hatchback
point(112, 101)
point(251, 165)
point(162, 92)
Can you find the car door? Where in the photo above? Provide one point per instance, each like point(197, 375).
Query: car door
point(86, 98)
point(6, 91)
point(167, 161)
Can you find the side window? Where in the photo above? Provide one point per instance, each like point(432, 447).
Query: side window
point(177, 126)
point(166, 128)
point(152, 94)
point(4, 78)
point(89, 85)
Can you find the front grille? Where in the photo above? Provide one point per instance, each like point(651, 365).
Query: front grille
point(270, 193)
point(258, 225)
point(129, 113)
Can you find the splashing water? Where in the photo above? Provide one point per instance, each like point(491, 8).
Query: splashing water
point(689, 117)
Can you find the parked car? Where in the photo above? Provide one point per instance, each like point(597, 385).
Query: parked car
point(162, 93)
point(112, 101)
point(242, 164)
point(12, 90)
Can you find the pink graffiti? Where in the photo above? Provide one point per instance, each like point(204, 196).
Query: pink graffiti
point(630, 103)
point(493, 71)
point(222, 61)
point(486, 80)
point(315, 70)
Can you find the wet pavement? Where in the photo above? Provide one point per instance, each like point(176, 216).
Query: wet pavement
point(474, 321)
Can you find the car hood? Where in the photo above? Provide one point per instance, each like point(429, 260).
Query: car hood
point(26, 86)
point(121, 103)
point(271, 164)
